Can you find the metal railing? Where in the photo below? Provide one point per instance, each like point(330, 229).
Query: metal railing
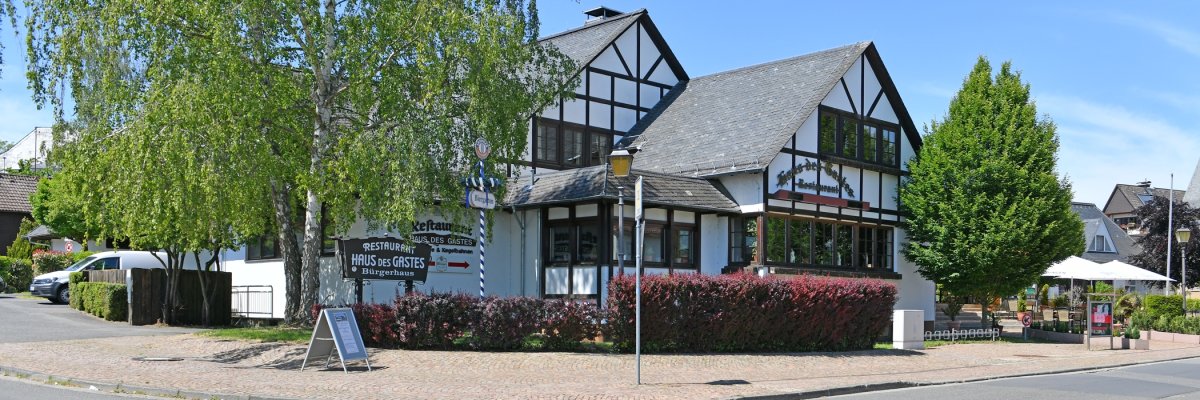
point(956, 334)
point(253, 301)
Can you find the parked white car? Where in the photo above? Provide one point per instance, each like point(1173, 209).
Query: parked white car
point(53, 285)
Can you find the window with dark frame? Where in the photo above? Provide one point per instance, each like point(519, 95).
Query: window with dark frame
point(743, 239)
point(262, 248)
point(566, 145)
point(845, 135)
point(665, 245)
point(806, 243)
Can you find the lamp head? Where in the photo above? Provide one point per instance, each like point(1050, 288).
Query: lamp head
point(622, 162)
point(1182, 235)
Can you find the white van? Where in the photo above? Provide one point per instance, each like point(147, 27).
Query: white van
point(53, 285)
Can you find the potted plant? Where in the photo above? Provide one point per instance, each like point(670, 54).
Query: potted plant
point(952, 309)
point(1133, 340)
point(1044, 296)
point(1022, 310)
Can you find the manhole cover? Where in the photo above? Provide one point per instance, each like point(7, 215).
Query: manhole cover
point(157, 359)
point(728, 382)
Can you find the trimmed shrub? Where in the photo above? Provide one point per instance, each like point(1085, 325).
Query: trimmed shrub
point(432, 320)
point(17, 273)
point(1141, 320)
point(103, 299)
point(46, 261)
point(567, 323)
point(73, 282)
point(503, 323)
point(742, 312)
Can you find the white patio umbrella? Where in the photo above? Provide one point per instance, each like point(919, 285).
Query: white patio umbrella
point(1128, 272)
point(1075, 268)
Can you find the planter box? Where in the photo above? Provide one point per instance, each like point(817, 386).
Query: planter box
point(1172, 337)
point(1060, 337)
point(1138, 344)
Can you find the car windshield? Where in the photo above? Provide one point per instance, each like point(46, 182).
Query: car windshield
point(79, 265)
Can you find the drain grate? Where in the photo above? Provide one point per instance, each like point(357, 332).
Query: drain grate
point(1031, 355)
point(729, 382)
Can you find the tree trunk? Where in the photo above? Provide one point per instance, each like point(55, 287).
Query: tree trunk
point(289, 247)
point(311, 260)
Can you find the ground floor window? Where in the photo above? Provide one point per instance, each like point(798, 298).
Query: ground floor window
point(666, 244)
point(811, 243)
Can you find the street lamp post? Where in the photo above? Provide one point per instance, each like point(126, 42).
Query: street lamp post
point(1182, 236)
point(622, 162)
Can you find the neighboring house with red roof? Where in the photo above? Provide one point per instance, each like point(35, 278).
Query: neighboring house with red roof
point(14, 205)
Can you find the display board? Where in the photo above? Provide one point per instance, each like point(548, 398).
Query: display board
point(336, 331)
point(1100, 321)
point(385, 259)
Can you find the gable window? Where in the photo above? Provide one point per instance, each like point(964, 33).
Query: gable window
point(566, 145)
point(845, 135)
point(1099, 244)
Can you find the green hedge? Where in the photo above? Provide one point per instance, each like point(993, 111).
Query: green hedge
point(1158, 305)
point(17, 273)
point(102, 299)
point(73, 282)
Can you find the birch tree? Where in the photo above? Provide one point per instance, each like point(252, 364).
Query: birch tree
point(361, 109)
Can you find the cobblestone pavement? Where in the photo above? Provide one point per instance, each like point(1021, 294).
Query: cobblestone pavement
point(241, 369)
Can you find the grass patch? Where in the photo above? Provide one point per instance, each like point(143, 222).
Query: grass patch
point(26, 295)
point(262, 334)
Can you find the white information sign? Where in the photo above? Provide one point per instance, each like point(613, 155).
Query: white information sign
point(336, 331)
point(482, 199)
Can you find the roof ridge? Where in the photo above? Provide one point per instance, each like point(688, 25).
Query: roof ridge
point(593, 25)
point(864, 45)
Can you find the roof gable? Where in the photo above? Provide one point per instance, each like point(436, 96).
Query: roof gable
point(15, 191)
point(1096, 222)
point(740, 119)
point(586, 43)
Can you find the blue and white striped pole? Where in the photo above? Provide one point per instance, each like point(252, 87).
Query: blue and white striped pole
point(482, 223)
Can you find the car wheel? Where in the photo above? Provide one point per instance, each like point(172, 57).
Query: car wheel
point(64, 295)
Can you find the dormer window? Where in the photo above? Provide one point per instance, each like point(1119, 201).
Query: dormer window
point(1100, 244)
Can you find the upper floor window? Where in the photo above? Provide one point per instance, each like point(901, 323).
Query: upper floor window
point(566, 145)
point(1099, 244)
point(844, 135)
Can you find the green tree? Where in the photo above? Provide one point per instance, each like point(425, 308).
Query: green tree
point(57, 206)
point(21, 248)
point(1152, 216)
point(359, 109)
point(985, 213)
point(5, 145)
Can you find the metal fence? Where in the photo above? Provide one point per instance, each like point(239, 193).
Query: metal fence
point(958, 334)
point(253, 301)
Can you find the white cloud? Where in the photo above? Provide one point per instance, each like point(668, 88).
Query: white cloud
point(1173, 35)
point(1103, 145)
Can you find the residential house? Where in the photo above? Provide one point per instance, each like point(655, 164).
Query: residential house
point(1125, 199)
point(14, 205)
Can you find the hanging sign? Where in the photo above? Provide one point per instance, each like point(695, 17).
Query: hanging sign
point(481, 199)
point(1101, 319)
point(482, 148)
point(336, 330)
point(384, 258)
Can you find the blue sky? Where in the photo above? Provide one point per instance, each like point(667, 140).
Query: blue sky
point(1118, 78)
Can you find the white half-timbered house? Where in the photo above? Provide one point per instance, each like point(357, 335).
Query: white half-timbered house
point(788, 167)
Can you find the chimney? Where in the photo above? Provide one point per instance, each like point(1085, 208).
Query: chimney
point(600, 13)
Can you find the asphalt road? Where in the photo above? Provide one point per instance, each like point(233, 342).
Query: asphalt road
point(21, 389)
point(27, 320)
point(1172, 379)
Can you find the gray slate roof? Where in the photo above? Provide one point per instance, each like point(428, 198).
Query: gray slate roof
point(1130, 192)
point(15, 191)
point(42, 232)
point(1091, 216)
point(737, 120)
point(1192, 196)
point(583, 44)
point(594, 183)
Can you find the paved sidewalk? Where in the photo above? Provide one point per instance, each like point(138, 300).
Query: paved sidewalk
point(242, 369)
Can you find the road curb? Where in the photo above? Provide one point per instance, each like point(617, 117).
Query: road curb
point(876, 387)
point(121, 388)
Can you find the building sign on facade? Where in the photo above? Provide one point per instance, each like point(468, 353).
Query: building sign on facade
point(835, 183)
point(385, 259)
point(452, 246)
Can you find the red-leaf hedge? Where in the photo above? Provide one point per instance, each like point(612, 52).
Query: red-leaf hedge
point(742, 312)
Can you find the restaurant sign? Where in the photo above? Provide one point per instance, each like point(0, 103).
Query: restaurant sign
point(384, 258)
